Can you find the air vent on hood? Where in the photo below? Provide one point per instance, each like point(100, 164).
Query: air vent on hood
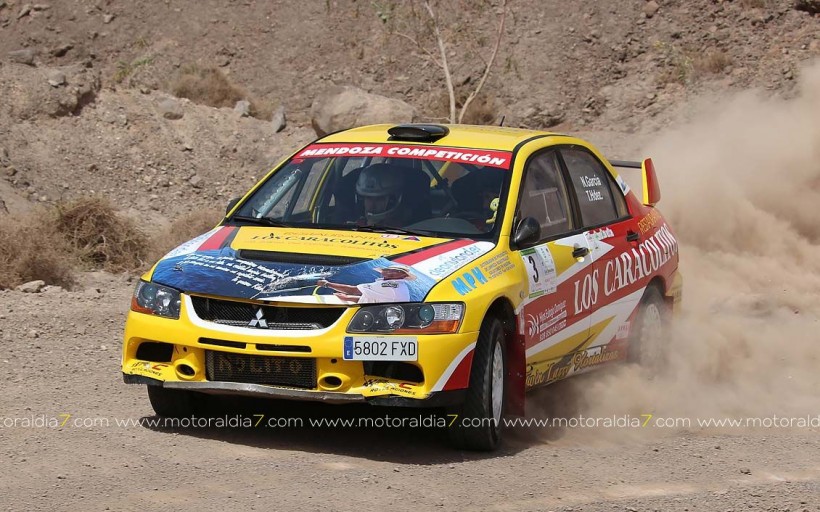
point(306, 259)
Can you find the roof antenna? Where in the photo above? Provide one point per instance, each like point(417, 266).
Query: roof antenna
point(501, 123)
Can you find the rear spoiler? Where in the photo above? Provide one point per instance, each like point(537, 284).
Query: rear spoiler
point(651, 189)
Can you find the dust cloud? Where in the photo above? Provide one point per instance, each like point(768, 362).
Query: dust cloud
point(741, 187)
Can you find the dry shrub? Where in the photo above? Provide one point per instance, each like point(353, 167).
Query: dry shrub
point(183, 229)
point(33, 249)
point(712, 62)
point(100, 237)
point(210, 86)
point(481, 111)
point(810, 6)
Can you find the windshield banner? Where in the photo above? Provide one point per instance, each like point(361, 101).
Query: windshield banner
point(486, 157)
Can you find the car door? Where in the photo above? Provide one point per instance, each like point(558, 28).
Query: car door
point(609, 230)
point(554, 314)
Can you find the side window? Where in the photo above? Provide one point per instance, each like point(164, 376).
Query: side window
point(544, 195)
point(618, 196)
point(590, 180)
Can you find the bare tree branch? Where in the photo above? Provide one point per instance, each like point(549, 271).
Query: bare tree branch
point(475, 92)
point(448, 78)
point(415, 41)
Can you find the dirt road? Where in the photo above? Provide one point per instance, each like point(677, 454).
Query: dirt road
point(61, 354)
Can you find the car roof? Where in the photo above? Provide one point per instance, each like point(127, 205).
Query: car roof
point(461, 135)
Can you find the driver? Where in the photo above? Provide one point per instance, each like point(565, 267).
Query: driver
point(379, 188)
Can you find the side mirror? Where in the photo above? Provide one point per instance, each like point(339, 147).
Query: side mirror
point(527, 232)
point(651, 189)
point(231, 204)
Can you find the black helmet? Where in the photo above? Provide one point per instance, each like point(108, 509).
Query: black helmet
point(381, 180)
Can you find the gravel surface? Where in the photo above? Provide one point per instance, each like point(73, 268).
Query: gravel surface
point(61, 357)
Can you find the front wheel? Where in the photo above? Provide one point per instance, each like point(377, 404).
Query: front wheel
point(171, 403)
point(477, 424)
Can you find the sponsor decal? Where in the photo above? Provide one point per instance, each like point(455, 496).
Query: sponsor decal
point(384, 386)
point(541, 273)
point(625, 270)
point(447, 263)
point(594, 357)
point(548, 322)
point(486, 157)
point(597, 235)
point(469, 281)
point(622, 184)
point(497, 265)
point(228, 364)
point(334, 240)
point(649, 221)
point(623, 331)
point(541, 373)
point(148, 369)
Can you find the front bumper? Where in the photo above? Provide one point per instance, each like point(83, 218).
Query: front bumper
point(434, 399)
point(441, 360)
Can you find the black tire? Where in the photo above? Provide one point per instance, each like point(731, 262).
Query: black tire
point(648, 339)
point(171, 403)
point(483, 427)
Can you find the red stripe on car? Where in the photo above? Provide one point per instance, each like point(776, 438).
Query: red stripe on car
point(432, 252)
point(217, 239)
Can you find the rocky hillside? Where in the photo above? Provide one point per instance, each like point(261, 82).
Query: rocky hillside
point(89, 86)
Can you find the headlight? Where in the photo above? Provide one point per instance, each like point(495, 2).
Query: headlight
point(155, 299)
point(422, 318)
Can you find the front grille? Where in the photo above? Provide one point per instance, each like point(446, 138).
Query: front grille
point(329, 260)
point(244, 314)
point(292, 372)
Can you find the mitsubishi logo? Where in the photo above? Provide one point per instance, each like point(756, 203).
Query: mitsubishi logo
point(259, 321)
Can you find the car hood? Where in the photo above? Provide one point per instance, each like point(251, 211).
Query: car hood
point(306, 265)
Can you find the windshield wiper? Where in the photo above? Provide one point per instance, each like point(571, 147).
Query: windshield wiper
point(262, 221)
point(376, 228)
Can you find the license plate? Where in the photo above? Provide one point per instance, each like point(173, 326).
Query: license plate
point(380, 348)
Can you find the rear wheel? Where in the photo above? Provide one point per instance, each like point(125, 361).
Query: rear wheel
point(477, 425)
point(171, 403)
point(648, 338)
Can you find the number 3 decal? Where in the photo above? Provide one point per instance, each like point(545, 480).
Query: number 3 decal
point(543, 278)
point(534, 269)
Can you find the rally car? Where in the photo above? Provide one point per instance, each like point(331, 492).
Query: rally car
point(413, 265)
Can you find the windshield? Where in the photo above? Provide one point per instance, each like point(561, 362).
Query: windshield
point(425, 190)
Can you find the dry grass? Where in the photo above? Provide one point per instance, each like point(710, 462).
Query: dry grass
point(86, 233)
point(210, 86)
point(184, 229)
point(712, 62)
point(100, 237)
point(33, 249)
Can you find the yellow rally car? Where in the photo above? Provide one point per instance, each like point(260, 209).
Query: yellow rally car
point(412, 265)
